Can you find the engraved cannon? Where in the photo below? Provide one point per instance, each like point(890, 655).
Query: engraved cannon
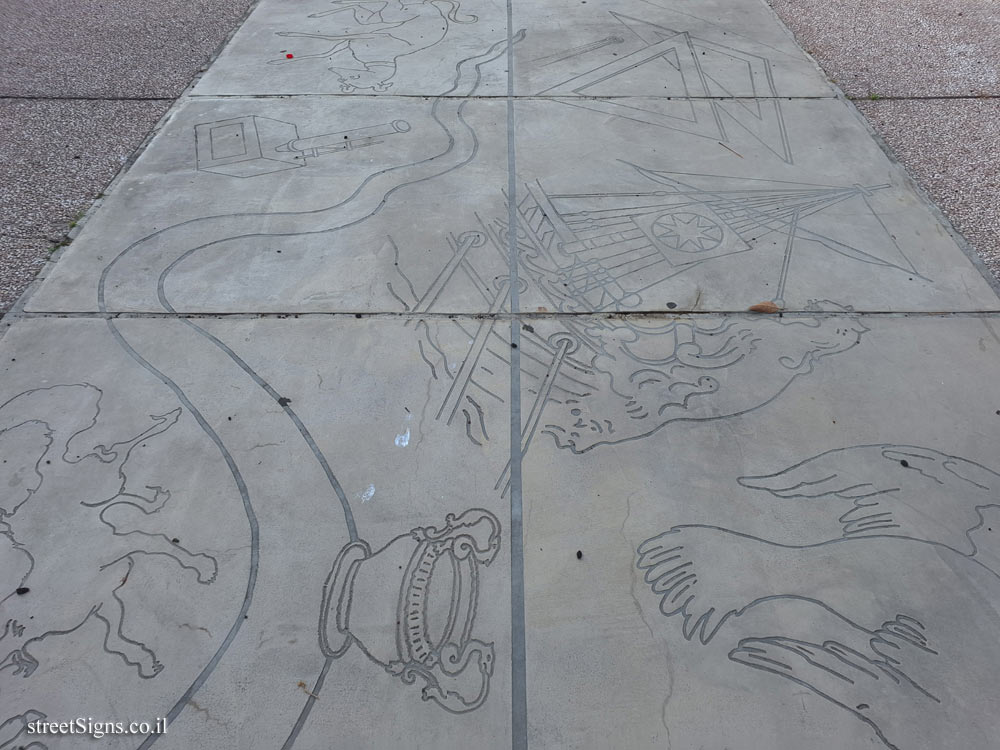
point(253, 145)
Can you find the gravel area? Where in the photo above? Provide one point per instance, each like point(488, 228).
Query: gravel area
point(58, 155)
point(901, 48)
point(110, 48)
point(938, 62)
point(81, 84)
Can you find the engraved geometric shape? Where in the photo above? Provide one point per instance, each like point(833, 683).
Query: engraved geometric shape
point(690, 233)
point(687, 232)
point(245, 146)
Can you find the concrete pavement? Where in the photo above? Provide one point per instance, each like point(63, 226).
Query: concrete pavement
point(406, 392)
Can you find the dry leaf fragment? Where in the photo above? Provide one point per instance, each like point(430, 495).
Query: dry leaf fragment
point(764, 307)
point(305, 689)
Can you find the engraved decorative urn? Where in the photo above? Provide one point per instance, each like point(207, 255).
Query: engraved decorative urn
point(411, 607)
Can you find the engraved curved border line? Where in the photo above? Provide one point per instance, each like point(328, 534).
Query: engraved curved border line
point(487, 57)
point(241, 485)
point(247, 506)
point(203, 423)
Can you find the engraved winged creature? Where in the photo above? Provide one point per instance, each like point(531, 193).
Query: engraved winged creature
point(906, 603)
point(897, 490)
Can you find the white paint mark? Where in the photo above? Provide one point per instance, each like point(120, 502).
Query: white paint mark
point(403, 439)
point(366, 494)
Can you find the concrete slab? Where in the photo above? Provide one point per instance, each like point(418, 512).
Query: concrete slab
point(400, 48)
point(848, 519)
point(399, 460)
point(652, 211)
point(198, 557)
point(647, 49)
point(290, 182)
point(800, 463)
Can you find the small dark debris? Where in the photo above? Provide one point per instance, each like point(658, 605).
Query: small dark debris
point(904, 463)
point(175, 540)
point(357, 315)
point(22, 591)
point(579, 554)
point(529, 329)
point(863, 706)
point(671, 305)
point(284, 401)
point(513, 345)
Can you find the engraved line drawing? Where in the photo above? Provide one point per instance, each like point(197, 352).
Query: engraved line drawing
point(165, 249)
point(599, 252)
point(605, 249)
point(894, 490)
point(253, 145)
point(580, 50)
point(366, 53)
point(15, 729)
point(892, 653)
point(433, 635)
point(603, 252)
point(697, 69)
point(43, 434)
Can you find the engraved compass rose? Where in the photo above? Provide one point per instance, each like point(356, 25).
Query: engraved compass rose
point(687, 232)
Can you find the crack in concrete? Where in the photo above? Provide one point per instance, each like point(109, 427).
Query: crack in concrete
point(189, 626)
point(204, 711)
point(633, 576)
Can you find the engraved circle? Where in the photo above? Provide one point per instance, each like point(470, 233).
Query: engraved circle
point(687, 232)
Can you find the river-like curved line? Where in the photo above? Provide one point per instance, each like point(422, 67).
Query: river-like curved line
point(453, 118)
